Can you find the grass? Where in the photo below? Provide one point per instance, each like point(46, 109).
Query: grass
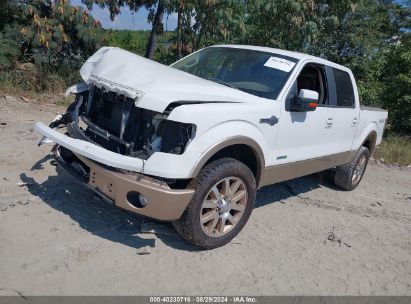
point(395, 149)
point(66, 101)
point(31, 80)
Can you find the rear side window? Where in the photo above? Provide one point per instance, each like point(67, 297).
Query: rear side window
point(345, 91)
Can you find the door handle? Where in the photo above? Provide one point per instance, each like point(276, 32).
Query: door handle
point(329, 122)
point(273, 120)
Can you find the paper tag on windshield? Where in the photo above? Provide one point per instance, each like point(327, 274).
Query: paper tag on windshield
point(280, 64)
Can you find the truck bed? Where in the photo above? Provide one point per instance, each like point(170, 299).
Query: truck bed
point(375, 109)
point(372, 115)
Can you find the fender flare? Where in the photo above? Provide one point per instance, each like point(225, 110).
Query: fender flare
point(372, 138)
point(231, 141)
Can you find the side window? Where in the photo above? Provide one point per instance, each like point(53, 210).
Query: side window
point(312, 77)
point(344, 88)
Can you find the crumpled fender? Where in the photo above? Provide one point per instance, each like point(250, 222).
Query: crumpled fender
point(77, 88)
point(61, 120)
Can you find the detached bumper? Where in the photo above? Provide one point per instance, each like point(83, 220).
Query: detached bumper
point(163, 203)
point(125, 189)
point(161, 164)
point(90, 150)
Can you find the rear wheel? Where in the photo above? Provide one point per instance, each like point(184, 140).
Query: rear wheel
point(222, 203)
point(348, 176)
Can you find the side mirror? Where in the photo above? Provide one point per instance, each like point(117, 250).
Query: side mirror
point(306, 101)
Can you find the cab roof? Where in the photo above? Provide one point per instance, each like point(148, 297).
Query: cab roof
point(296, 55)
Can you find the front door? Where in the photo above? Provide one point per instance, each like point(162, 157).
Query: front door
point(307, 135)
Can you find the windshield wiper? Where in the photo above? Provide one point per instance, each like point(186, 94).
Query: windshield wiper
point(222, 82)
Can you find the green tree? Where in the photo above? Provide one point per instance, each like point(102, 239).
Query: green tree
point(9, 33)
point(359, 36)
point(155, 16)
point(284, 24)
point(199, 22)
point(55, 32)
point(133, 41)
point(212, 21)
point(397, 90)
point(115, 6)
point(156, 10)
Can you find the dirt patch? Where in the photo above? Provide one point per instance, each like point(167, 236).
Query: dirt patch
point(334, 239)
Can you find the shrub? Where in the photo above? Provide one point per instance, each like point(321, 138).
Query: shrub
point(395, 149)
point(31, 78)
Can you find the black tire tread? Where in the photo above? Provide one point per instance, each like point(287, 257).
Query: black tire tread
point(184, 224)
point(343, 174)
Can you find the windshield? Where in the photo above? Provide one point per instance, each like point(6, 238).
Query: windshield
point(259, 73)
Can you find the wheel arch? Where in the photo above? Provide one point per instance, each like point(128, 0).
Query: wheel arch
point(241, 148)
point(370, 142)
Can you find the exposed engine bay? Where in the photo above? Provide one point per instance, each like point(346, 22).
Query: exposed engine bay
point(113, 122)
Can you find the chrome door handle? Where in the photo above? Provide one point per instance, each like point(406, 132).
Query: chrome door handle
point(273, 120)
point(329, 122)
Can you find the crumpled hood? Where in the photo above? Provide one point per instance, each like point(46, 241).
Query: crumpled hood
point(153, 85)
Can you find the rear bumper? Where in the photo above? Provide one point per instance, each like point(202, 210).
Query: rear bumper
point(163, 203)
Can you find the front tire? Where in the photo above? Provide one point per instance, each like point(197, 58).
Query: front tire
point(221, 205)
point(348, 176)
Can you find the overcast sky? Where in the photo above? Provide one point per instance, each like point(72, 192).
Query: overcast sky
point(125, 19)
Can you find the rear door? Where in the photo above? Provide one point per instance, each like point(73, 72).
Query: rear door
point(346, 119)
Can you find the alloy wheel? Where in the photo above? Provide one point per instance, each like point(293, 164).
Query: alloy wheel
point(223, 206)
point(359, 169)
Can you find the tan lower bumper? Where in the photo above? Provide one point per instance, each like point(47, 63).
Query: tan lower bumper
point(163, 203)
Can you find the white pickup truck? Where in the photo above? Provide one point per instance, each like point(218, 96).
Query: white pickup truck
point(192, 142)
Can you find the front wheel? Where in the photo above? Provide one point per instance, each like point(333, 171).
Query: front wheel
point(221, 206)
point(348, 176)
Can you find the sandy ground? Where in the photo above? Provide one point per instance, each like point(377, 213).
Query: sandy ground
point(305, 236)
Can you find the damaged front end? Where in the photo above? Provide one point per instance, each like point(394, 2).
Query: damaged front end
point(108, 139)
point(112, 121)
